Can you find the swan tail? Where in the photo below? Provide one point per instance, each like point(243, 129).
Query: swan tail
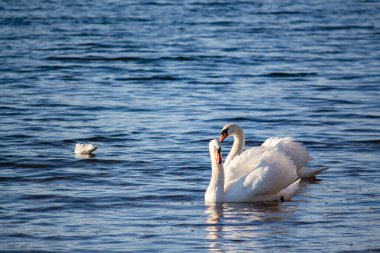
point(309, 172)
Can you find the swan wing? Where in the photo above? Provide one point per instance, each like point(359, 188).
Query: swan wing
point(243, 164)
point(295, 150)
point(286, 194)
point(271, 172)
point(276, 172)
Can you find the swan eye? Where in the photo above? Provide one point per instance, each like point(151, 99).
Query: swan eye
point(224, 132)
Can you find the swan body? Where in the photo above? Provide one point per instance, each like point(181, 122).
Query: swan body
point(292, 149)
point(272, 177)
point(81, 148)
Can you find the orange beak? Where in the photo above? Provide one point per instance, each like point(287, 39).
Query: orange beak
point(223, 136)
point(219, 159)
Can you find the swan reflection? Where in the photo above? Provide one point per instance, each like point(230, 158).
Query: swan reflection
point(252, 223)
point(85, 156)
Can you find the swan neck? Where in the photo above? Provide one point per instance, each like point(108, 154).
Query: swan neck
point(215, 189)
point(239, 141)
point(237, 147)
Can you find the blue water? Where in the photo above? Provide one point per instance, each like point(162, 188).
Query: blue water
point(150, 83)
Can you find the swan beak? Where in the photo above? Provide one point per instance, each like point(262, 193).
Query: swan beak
point(223, 136)
point(219, 159)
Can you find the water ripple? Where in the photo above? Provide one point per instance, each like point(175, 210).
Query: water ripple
point(150, 83)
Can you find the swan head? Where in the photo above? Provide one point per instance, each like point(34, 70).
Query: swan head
point(229, 130)
point(216, 151)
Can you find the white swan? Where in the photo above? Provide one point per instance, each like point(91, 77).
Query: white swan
point(273, 177)
point(81, 148)
point(295, 150)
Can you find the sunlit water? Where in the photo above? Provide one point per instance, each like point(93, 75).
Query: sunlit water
point(150, 83)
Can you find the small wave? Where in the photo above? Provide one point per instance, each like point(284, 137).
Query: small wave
point(342, 27)
point(97, 139)
point(281, 13)
point(10, 179)
point(287, 74)
point(148, 78)
point(367, 141)
point(71, 177)
point(240, 119)
point(87, 58)
point(32, 166)
point(93, 58)
point(96, 45)
point(43, 209)
point(362, 251)
point(39, 196)
point(18, 136)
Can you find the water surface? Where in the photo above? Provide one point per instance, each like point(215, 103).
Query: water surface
point(150, 83)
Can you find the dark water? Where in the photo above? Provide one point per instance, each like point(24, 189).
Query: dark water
point(150, 83)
